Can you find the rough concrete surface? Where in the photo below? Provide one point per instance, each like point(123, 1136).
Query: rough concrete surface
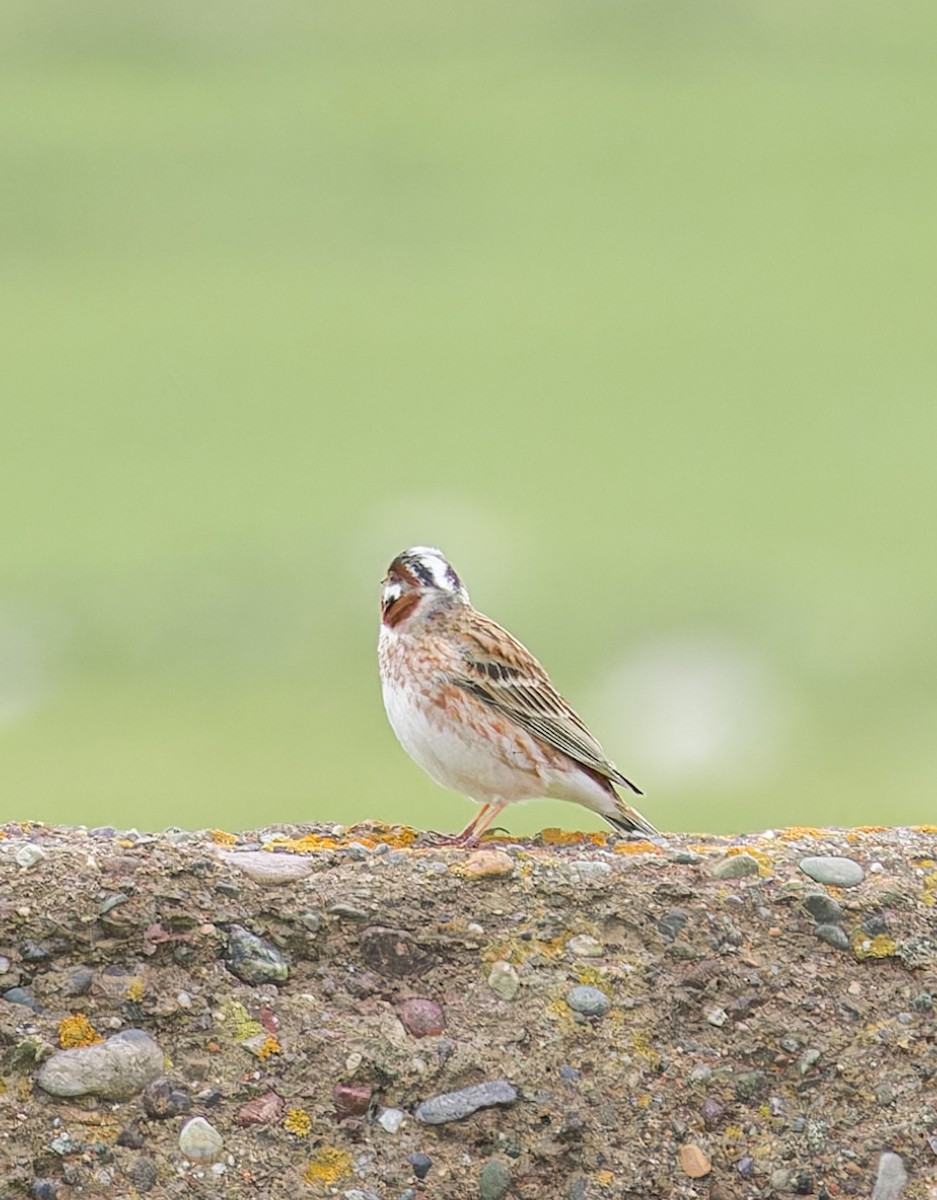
point(363, 1013)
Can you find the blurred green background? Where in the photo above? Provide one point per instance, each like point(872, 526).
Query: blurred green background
point(629, 307)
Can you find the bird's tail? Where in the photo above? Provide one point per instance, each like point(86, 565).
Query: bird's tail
point(629, 820)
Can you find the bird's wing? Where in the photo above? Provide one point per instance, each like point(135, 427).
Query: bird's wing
point(503, 674)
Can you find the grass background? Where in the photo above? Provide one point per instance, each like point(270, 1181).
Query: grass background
point(628, 307)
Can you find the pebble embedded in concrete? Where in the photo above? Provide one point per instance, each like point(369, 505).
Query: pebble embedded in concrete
point(831, 869)
point(588, 1001)
point(200, 1141)
point(453, 1106)
point(115, 1069)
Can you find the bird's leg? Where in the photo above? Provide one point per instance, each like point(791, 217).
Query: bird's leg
point(468, 835)
point(490, 811)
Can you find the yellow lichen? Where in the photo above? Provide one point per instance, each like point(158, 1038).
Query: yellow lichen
point(222, 838)
point(297, 1121)
point(880, 946)
point(643, 1050)
point(135, 989)
point(604, 1178)
point(328, 1166)
point(930, 889)
point(795, 832)
point(76, 1031)
point(924, 828)
point(370, 835)
point(242, 1026)
point(270, 1046)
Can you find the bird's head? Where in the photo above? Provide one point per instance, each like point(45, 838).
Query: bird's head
point(418, 579)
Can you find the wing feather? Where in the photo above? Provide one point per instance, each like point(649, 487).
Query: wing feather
point(504, 675)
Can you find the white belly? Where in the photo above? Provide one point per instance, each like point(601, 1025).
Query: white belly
point(453, 754)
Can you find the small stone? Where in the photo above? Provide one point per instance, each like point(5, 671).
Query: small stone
point(823, 908)
point(115, 1069)
point(254, 960)
point(503, 980)
point(808, 1059)
point(738, 866)
point(584, 946)
point(23, 996)
point(716, 1016)
point(262, 1110)
point(453, 1106)
point(693, 1161)
point(494, 1181)
point(841, 872)
point(392, 952)
point(712, 1112)
point(686, 857)
point(923, 1002)
point(143, 1174)
point(351, 1100)
point(391, 1119)
point(590, 869)
point(487, 864)
point(28, 855)
point(264, 867)
point(672, 923)
point(420, 1165)
point(199, 1141)
point(131, 1137)
point(748, 1084)
point(162, 1099)
point(421, 1017)
point(833, 935)
point(588, 1000)
point(892, 1177)
point(746, 1166)
point(47, 1189)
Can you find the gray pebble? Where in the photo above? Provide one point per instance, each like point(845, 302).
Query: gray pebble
point(494, 1181)
point(115, 1069)
point(254, 960)
point(453, 1106)
point(28, 855)
point(584, 946)
point(892, 1178)
point(199, 1141)
point(807, 1060)
point(503, 980)
point(588, 1000)
point(736, 867)
point(358, 1194)
point(686, 857)
point(589, 868)
point(841, 872)
point(823, 908)
point(833, 935)
point(21, 995)
point(391, 1119)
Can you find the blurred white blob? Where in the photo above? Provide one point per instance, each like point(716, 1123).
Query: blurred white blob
point(24, 675)
point(481, 546)
point(692, 710)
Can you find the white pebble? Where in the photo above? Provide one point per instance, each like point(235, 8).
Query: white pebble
point(391, 1120)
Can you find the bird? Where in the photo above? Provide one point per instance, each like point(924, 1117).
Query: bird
point(477, 711)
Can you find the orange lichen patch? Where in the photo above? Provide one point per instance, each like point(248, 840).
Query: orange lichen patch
point(222, 838)
point(604, 1178)
point(270, 1046)
point(924, 828)
point(298, 1122)
point(76, 1031)
point(704, 848)
point(569, 837)
point(328, 1166)
point(880, 946)
point(374, 834)
point(871, 828)
point(637, 848)
point(800, 831)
